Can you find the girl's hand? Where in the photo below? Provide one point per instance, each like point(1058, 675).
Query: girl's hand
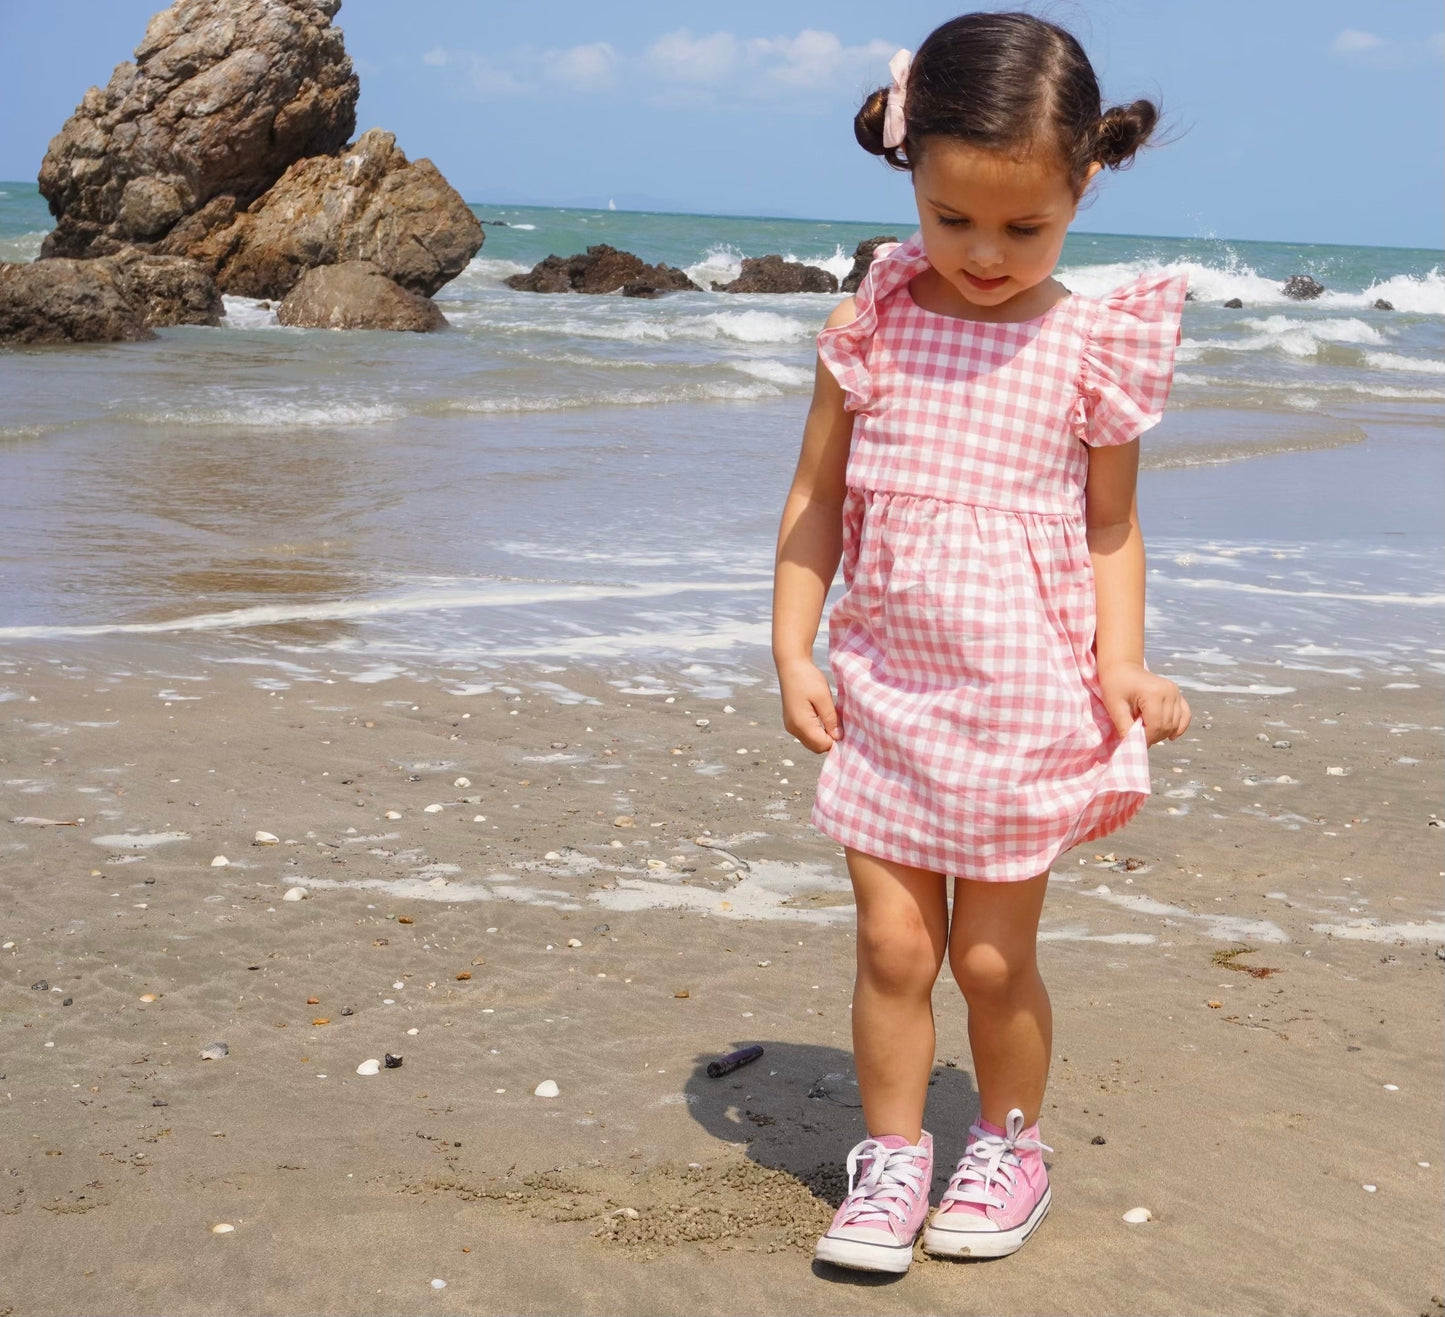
point(808, 709)
point(1132, 691)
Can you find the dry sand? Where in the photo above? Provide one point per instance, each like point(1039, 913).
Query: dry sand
point(1247, 1110)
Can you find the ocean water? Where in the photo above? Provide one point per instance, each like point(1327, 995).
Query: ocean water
point(565, 479)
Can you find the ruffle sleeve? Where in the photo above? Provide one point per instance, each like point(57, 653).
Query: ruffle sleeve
point(1127, 364)
point(844, 348)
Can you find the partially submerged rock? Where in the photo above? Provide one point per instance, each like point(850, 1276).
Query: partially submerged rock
point(1302, 288)
point(368, 204)
point(772, 274)
point(67, 301)
point(222, 97)
point(602, 269)
point(862, 259)
point(170, 289)
point(357, 295)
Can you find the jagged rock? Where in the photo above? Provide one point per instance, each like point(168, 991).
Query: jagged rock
point(1234, 304)
point(602, 269)
point(67, 301)
point(222, 97)
point(169, 289)
point(772, 274)
point(367, 204)
point(1302, 288)
point(356, 295)
point(110, 299)
point(1382, 305)
point(862, 259)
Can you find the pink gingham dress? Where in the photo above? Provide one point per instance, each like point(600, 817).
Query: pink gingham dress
point(975, 739)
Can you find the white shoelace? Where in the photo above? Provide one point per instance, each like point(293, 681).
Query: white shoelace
point(992, 1159)
point(890, 1175)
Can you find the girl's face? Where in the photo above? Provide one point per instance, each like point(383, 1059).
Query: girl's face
point(993, 226)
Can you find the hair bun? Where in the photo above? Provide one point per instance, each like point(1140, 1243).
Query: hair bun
point(1123, 130)
point(868, 128)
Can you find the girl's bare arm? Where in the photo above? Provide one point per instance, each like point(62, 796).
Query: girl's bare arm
point(810, 543)
point(1116, 547)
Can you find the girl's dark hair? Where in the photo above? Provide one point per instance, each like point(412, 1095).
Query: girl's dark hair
point(1010, 83)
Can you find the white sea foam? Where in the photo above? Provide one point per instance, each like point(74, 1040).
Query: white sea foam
point(1225, 927)
point(694, 391)
point(1394, 361)
point(1371, 930)
point(273, 415)
point(1422, 294)
point(501, 594)
point(776, 372)
point(248, 313)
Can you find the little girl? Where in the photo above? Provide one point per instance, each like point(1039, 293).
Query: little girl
point(970, 455)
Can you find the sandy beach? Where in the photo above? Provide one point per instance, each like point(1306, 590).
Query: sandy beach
point(560, 877)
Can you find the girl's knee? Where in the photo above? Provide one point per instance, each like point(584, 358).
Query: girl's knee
point(984, 970)
point(897, 955)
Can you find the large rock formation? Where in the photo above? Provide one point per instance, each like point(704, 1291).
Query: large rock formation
point(602, 269)
point(862, 259)
point(367, 204)
point(772, 274)
point(113, 299)
point(356, 295)
point(222, 97)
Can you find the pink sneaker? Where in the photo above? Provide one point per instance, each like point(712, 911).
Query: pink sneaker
point(887, 1203)
point(997, 1196)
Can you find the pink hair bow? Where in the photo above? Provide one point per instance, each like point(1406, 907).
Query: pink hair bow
point(895, 126)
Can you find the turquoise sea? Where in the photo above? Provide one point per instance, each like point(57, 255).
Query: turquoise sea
point(597, 479)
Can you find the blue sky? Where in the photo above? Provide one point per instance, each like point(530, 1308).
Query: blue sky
point(1295, 120)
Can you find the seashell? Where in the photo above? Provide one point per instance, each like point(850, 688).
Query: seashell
point(463, 975)
point(405, 919)
point(224, 1228)
point(265, 839)
point(682, 994)
point(295, 894)
point(1138, 1215)
point(432, 809)
point(479, 818)
point(1214, 1005)
point(369, 1067)
point(728, 708)
point(214, 1051)
point(412, 1032)
point(547, 1089)
point(392, 814)
point(391, 1062)
point(150, 996)
point(1337, 771)
point(438, 1283)
point(624, 821)
point(574, 942)
point(703, 722)
point(320, 1020)
point(462, 782)
point(220, 862)
point(313, 1001)
point(1369, 1188)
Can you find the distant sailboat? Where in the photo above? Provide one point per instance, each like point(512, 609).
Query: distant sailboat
point(611, 205)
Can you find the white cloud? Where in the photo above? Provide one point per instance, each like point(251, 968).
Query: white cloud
point(1372, 51)
point(679, 68)
point(681, 57)
point(582, 68)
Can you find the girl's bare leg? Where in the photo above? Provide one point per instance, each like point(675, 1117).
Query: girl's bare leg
point(902, 936)
point(991, 950)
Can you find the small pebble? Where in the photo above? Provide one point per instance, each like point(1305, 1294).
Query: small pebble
point(624, 821)
point(1369, 1188)
point(40, 985)
point(346, 1010)
point(601, 928)
point(1280, 745)
point(214, 1051)
point(391, 1062)
point(224, 1228)
point(682, 994)
point(266, 839)
point(220, 862)
point(69, 1001)
point(371, 1066)
point(295, 894)
point(1137, 1215)
point(438, 1284)
point(1335, 771)
point(1098, 1140)
point(547, 1089)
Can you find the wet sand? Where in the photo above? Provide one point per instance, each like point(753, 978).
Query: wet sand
point(1244, 1099)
